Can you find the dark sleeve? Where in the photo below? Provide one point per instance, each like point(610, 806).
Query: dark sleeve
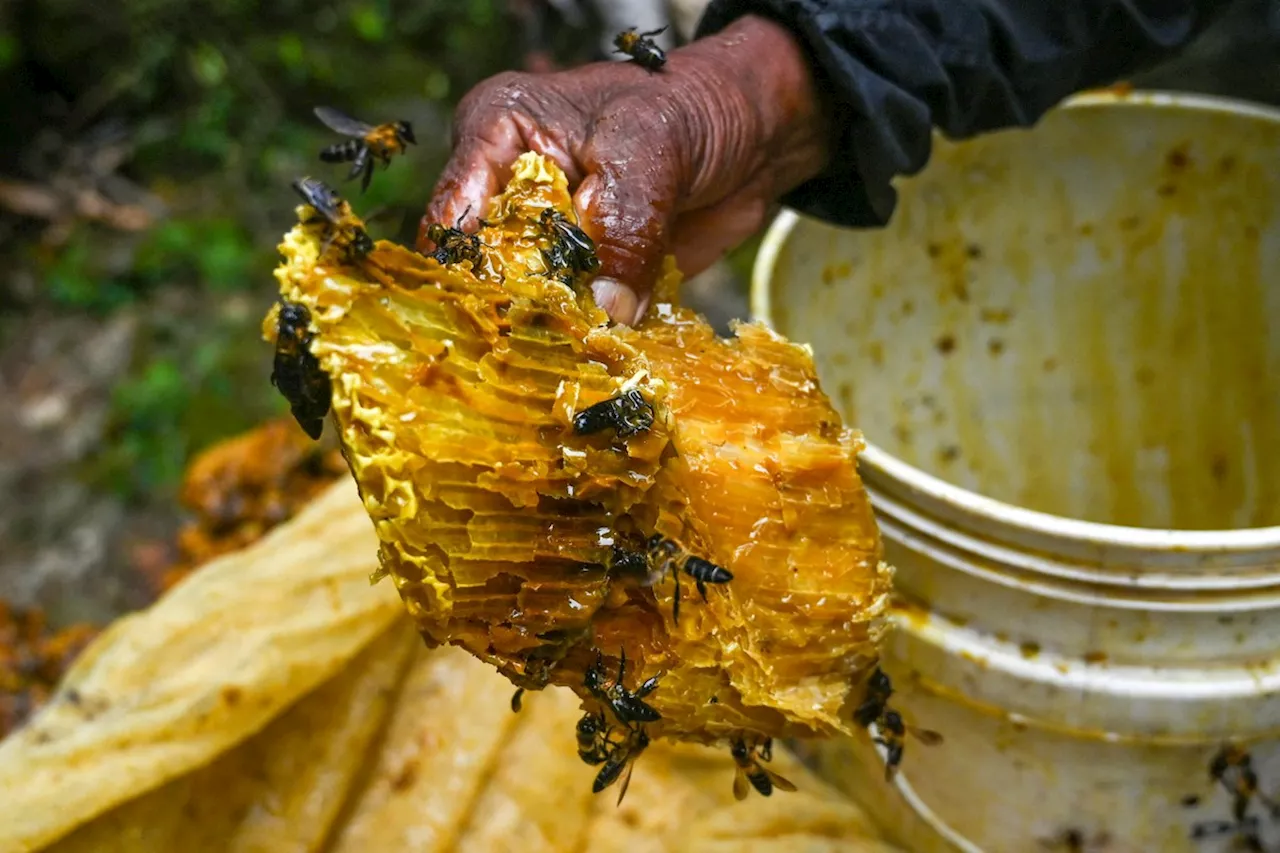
point(892, 70)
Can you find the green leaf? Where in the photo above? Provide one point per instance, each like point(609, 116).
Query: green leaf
point(435, 85)
point(290, 51)
point(223, 257)
point(369, 22)
point(10, 51)
point(207, 64)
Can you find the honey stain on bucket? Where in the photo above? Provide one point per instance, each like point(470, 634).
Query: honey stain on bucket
point(1129, 382)
point(1149, 472)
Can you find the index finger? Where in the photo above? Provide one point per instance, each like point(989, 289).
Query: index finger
point(467, 183)
point(481, 165)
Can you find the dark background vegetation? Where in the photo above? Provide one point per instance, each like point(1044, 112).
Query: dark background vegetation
point(148, 149)
point(149, 146)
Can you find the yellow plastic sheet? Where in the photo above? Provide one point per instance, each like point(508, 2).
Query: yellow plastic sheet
point(239, 714)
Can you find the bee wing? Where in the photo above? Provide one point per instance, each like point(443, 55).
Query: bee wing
point(741, 787)
point(626, 780)
point(928, 737)
point(318, 195)
point(340, 122)
point(780, 782)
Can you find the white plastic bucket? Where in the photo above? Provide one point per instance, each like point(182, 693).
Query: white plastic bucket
point(1064, 352)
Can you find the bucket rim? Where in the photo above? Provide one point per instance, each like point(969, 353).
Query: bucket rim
point(976, 508)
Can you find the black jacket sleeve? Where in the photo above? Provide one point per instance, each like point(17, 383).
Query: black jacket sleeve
point(890, 71)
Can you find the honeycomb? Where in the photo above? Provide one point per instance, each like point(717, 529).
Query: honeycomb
point(455, 389)
point(243, 487)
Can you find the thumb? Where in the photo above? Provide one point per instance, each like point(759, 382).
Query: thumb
point(628, 217)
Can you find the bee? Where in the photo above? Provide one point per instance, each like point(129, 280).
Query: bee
point(627, 706)
point(558, 264)
point(891, 730)
point(368, 142)
point(454, 245)
point(340, 222)
point(1232, 768)
point(1247, 833)
point(593, 738)
point(620, 759)
point(669, 558)
point(749, 774)
point(892, 736)
point(641, 49)
point(879, 689)
point(515, 700)
point(627, 561)
point(296, 372)
point(572, 251)
point(627, 414)
point(1075, 841)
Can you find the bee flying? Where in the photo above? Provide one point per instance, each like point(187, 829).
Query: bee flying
point(368, 143)
point(296, 373)
point(641, 48)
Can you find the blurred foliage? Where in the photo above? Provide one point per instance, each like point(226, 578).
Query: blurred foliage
point(184, 396)
point(211, 103)
point(742, 258)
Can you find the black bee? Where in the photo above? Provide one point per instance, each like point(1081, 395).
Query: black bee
point(515, 700)
point(369, 142)
point(627, 706)
point(627, 414)
point(593, 738)
point(626, 561)
point(892, 736)
point(1075, 841)
point(704, 572)
point(879, 689)
point(891, 731)
point(748, 772)
point(572, 250)
point(668, 557)
point(620, 760)
point(336, 213)
point(1232, 768)
point(641, 49)
point(1247, 833)
point(559, 265)
point(454, 245)
point(296, 372)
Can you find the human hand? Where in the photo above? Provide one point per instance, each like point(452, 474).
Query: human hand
point(686, 160)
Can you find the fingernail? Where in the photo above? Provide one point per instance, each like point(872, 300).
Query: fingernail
point(617, 300)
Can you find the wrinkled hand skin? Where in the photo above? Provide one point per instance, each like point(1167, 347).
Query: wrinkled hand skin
point(687, 160)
